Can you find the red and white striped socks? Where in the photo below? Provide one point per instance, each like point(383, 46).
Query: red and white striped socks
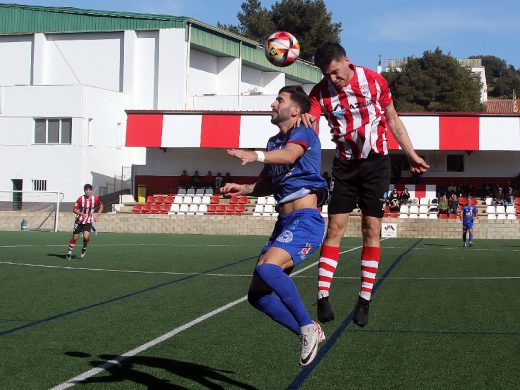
point(329, 257)
point(72, 244)
point(370, 256)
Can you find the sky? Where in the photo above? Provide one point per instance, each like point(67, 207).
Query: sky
point(393, 29)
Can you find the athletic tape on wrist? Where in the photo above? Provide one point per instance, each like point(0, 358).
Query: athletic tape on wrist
point(260, 156)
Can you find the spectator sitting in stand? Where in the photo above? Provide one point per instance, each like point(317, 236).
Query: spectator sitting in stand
point(218, 182)
point(454, 204)
point(184, 180)
point(452, 188)
point(209, 180)
point(443, 205)
point(196, 181)
point(393, 200)
point(227, 179)
point(405, 196)
point(499, 197)
point(509, 199)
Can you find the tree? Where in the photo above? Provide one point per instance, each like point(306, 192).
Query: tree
point(501, 78)
point(307, 20)
point(435, 82)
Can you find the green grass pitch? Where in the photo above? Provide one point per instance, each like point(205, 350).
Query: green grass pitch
point(442, 317)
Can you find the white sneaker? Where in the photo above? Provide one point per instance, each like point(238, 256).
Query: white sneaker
point(310, 344)
point(83, 253)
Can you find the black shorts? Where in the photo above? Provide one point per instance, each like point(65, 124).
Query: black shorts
point(82, 227)
point(360, 183)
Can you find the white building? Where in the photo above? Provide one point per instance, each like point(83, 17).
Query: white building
point(106, 97)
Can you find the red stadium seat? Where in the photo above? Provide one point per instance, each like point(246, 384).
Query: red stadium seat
point(453, 216)
point(240, 209)
point(243, 200)
point(156, 208)
point(463, 201)
point(165, 207)
point(146, 208)
point(215, 199)
point(159, 199)
point(137, 208)
point(221, 209)
point(394, 215)
point(212, 208)
point(150, 199)
point(517, 201)
point(473, 201)
point(231, 209)
point(168, 199)
point(443, 216)
point(233, 200)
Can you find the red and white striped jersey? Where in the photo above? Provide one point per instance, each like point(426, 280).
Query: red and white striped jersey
point(87, 207)
point(355, 113)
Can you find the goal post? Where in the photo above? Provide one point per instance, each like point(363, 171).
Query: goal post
point(39, 209)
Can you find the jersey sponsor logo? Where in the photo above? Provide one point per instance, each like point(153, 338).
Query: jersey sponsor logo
point(365, 91)
point(305, 251)
point(285, 237)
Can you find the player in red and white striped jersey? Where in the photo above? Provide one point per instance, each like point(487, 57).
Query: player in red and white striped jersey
point(84, 209)
point(357, 104)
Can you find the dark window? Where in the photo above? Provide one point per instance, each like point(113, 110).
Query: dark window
point(455, 163)
point(40, 131)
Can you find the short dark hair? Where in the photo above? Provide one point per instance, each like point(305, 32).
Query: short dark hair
point(298, 96)
point(87, 187)
point(328, 52)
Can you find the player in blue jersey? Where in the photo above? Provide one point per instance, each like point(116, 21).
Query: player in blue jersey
point(292, 174)
point(468, 214)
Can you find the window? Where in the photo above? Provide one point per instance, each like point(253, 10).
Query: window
point(39, 185)
point(53, 131)
point(455, 163)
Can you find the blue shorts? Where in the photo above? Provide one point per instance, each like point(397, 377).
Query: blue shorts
point(467, 226)
point(299, 233)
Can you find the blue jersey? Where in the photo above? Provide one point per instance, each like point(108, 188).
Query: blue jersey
point(296, 180)
point(468, 213)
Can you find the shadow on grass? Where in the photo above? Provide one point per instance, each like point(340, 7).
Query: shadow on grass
point(128, 370)
point(58, 255)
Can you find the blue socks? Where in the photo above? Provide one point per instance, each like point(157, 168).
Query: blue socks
point(286, 309)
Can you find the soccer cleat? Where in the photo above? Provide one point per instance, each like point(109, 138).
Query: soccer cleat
point(310, 344)
point(471, 243)
point(83, 252)
point(464, 244)
point(68, 256)
point(361, 312)
point(324, 310)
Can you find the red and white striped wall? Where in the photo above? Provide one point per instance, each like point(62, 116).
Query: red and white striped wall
point(251, 130)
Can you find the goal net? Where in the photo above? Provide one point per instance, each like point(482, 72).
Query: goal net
point(30, 210)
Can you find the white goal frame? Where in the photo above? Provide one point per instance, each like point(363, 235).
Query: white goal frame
point(51, 198)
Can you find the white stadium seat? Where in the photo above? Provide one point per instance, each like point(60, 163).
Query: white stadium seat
point(404, 209)
point(261, 200)
point(511, 216)
point(490, 210)
point(432, 216)
point(491, 216)
point(500, 210)
point(187, 199)
point(178, 199)
point(206, 200)
point(270, 200)
point(202, 209)
point(489, 201)
point(174, 208)
point(510, 210)
point(501, 216)
point(197, 200)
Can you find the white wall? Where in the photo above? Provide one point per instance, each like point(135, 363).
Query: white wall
point(202, 73)
point(92, 59)
point(16, 60)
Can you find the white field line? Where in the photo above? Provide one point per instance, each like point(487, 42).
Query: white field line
point(110, 363)
point(244, 275)
point(120, 245)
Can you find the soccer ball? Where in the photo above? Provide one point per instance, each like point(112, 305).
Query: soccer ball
point(282, 48)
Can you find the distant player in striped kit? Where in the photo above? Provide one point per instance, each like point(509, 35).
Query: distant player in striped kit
point(84, 209)
point(357, 104)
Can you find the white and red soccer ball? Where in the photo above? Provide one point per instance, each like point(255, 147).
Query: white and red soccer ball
point(282, 48)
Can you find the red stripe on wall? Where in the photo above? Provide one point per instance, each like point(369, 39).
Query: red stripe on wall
point(420, 191)
point(220, 131)
point(144, 130)
point(458, 133)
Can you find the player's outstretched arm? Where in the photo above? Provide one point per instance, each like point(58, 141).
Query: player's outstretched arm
point(417, 164)
point(260, 188)
point(98, 214)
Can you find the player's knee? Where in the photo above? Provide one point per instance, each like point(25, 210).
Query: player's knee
point(257, 298)
point(335, 231)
